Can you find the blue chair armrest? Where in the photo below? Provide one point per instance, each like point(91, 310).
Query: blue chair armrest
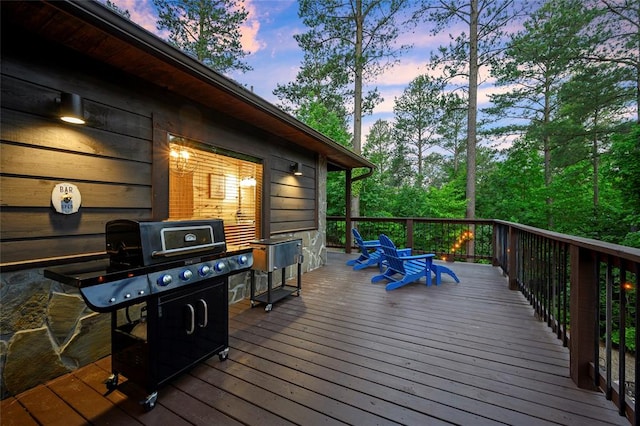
point(372, 243)
point(418, 256)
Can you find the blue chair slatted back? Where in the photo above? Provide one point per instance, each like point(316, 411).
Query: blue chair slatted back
point(391, 254)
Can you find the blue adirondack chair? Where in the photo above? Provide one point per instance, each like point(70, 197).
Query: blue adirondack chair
point(404, 268)
point(370, 253)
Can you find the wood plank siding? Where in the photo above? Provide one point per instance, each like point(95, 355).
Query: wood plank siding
point(119, 160)
point(348, 352)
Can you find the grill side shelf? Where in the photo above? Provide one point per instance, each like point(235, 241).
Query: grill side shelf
point(80, 274)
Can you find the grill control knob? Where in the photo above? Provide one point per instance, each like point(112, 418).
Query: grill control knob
point(164, 280)
point(186, 275)
point(204, 270)
point(242, 259)
point(219, 266)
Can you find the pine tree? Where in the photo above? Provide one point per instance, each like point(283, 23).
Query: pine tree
point(209, 30)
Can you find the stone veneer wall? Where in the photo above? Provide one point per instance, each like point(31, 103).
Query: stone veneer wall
point(47, 330)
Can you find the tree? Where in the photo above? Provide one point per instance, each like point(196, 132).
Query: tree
point(617, 33)
point(354, 35)
point(537, 61)
point(623, 169)
point(592, 105)
point(514, 189)
point(418, 114)
point(316, 82)
point(349, 43)
point(209, 30)
point(317, 116)
point(487, 22)
point(451, 129)
point(378, 149)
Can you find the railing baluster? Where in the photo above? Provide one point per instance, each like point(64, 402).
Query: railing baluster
point(622, 318)
point(609, 329)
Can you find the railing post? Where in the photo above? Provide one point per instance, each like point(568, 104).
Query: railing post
point(495, 245)
point(582, 305)
point(409, 233)
point(348, 241)
point(512, 253)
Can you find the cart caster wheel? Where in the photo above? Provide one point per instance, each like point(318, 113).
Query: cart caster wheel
point(112, 382)
point(150, 402)
point(224, 355)
point(268, 307)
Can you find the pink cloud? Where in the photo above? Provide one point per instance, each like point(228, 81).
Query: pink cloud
point(250, 29)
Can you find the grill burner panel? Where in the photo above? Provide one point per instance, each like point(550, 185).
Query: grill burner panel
point(105, 292)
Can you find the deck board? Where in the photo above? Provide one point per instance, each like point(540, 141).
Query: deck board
point(347, 351)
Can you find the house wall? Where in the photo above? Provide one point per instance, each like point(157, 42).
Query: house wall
point(119, 163)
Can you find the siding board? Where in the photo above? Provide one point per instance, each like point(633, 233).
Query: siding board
point(280, 203)
point(41, 223)
point(287, 191)
point(280, 227)
point(29, 161)
point(28, 192)
point(14, 251)
point(27, 129)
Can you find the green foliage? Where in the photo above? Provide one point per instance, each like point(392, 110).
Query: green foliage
point(630, 313)
point(207, 29)
point(624, 174)
point(630, 338)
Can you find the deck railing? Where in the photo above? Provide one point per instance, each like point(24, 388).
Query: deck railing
point(584, 289)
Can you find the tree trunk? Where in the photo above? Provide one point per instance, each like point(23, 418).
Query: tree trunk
point(546, 141)
point(473, 111)
point(357, 101)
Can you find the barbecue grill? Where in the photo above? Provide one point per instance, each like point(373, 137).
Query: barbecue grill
point(166, 287)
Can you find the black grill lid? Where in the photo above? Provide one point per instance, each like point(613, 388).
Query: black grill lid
point(131, 243)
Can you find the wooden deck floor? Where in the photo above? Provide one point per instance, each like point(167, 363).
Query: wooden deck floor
point(349, 352)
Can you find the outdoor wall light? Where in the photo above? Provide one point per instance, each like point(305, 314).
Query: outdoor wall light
point(71, 108)
point(296, 169)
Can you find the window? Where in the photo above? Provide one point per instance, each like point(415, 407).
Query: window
point(205, 182)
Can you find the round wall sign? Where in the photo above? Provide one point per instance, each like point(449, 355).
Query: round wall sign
point(66, 198)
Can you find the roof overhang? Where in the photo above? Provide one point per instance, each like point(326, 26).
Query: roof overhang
point(96, 31)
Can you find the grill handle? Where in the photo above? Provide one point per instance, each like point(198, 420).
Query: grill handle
point(192, 326)
point(205, 319)
point(178, 251)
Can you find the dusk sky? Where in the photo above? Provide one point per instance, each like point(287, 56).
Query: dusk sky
point(276, 57)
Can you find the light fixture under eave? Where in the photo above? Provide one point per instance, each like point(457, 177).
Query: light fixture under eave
point(296, 169)
point(71, 108)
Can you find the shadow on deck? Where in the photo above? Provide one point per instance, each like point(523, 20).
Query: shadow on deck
point(348, 352)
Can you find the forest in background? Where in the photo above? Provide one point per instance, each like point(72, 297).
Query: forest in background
point(558, 148)
point(569, 112)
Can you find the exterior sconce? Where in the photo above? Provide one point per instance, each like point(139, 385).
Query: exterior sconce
point(296, 169)
point(71, 108)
